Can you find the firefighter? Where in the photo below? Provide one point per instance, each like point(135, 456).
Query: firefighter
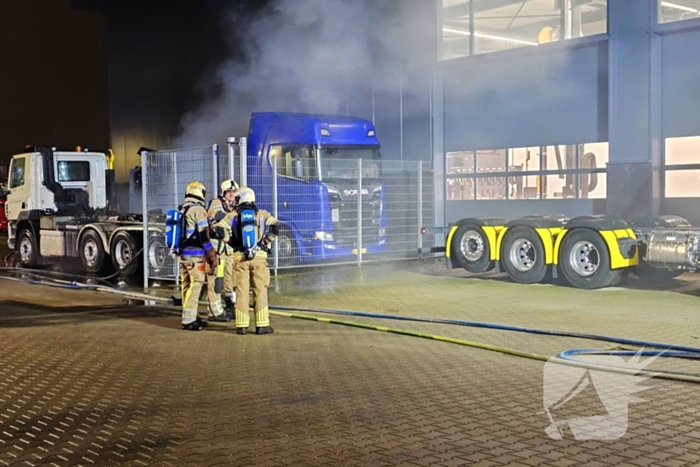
point(196, 253)
point(218, 209)
point(252, 232)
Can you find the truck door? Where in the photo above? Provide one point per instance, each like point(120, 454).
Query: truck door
point(19, 184)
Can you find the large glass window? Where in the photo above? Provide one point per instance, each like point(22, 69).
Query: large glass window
point(17, 171)
point(547, 172)
point(472, 27)
point(682, 167)
point(678, 10)
point(73, 171)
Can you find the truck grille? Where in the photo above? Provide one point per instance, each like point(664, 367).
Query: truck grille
point(345, 228)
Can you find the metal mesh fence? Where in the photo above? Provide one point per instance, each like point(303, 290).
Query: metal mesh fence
point(349, 218)
point(332, 211)
point(165, 176)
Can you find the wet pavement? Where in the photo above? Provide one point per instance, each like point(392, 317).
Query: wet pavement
point(86, 379)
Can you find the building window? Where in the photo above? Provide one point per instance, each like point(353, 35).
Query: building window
point(678, 10)
point(473, 27)
point(546, 172)
point(682, 167)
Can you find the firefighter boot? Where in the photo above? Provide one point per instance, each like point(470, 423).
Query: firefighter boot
point(193, 326)
point(201, 322)
point(225, 317)
point(229, 305)
point(264, 330)
point(241, 331)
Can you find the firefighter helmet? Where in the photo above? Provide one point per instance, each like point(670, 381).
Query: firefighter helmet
point(228, 185)
point(245, 195)
point(196, 190)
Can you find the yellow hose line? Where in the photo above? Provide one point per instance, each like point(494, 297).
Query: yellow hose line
point(665, 375)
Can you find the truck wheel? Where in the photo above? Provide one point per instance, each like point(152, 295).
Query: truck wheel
point(523, 256)
point(124, 250)
point(470, 248)
point(92, 254)
point(585, 260)
point(27, 248)
point(158, 254)
point(287, 248)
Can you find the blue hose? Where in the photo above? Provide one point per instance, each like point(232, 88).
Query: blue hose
point(501, 327)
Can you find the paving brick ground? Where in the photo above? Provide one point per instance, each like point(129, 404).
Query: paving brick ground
point(87, 380)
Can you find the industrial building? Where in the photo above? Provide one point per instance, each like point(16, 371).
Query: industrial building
point(574, 106)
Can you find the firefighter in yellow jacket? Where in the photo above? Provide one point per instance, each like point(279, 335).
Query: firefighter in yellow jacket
point(252, 232)
point(197, 254)
point(218, 209)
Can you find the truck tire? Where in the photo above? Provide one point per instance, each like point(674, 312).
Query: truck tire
point(92, 254)
point(470, 249)
point(28, 248)
point(585, 261)
point(287, 251)
point(158, 255)
point(124, 250)
point(523, 256)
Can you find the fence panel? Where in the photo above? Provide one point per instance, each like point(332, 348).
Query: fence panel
point(165, 178)
point(347, 218)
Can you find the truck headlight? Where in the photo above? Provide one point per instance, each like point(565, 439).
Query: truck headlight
point(323, 236)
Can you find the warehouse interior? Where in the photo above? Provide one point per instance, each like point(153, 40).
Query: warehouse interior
point(567, 106)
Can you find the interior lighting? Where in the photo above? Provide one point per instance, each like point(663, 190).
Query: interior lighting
point(488, 36)
point(679, 7)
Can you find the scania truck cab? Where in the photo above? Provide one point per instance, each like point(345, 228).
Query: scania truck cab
point(329, 189)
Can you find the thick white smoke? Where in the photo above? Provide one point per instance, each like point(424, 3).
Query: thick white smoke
point(310, 56)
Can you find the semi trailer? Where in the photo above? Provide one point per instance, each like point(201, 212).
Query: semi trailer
point(589, 252)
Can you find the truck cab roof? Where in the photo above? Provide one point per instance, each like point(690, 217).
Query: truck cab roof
point(316, 129)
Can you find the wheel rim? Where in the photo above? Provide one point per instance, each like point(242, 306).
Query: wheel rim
point(90, 252)
point(26, 250)
point(523, 255)
point(156, 254)
point(284, 246)
point(584, 258)
point(472, 245)
point(123, 253)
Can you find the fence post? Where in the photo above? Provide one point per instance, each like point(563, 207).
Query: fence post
point(144, 212)
point(215, 156)
point(231, 157)
point(274, 209)
point(359, 212)
point(244, 161)
point(420, 207)
point(173, 155)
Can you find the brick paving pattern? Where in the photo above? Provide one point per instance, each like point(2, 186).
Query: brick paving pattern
point(86, 380)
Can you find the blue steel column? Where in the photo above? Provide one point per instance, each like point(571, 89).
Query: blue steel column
point(634, 109)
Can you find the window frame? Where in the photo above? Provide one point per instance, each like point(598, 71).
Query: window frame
point(13, 166)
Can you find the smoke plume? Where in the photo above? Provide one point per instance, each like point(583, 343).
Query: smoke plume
point(310, 56)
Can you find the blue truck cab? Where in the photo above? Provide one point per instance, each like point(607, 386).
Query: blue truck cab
point(317, 183)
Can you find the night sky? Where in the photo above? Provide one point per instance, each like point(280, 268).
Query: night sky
point(66, 64)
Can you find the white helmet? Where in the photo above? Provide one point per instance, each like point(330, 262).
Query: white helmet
point(245, 195)
point(228, 185)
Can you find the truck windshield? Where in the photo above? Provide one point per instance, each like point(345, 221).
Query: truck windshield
point(341, 162)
